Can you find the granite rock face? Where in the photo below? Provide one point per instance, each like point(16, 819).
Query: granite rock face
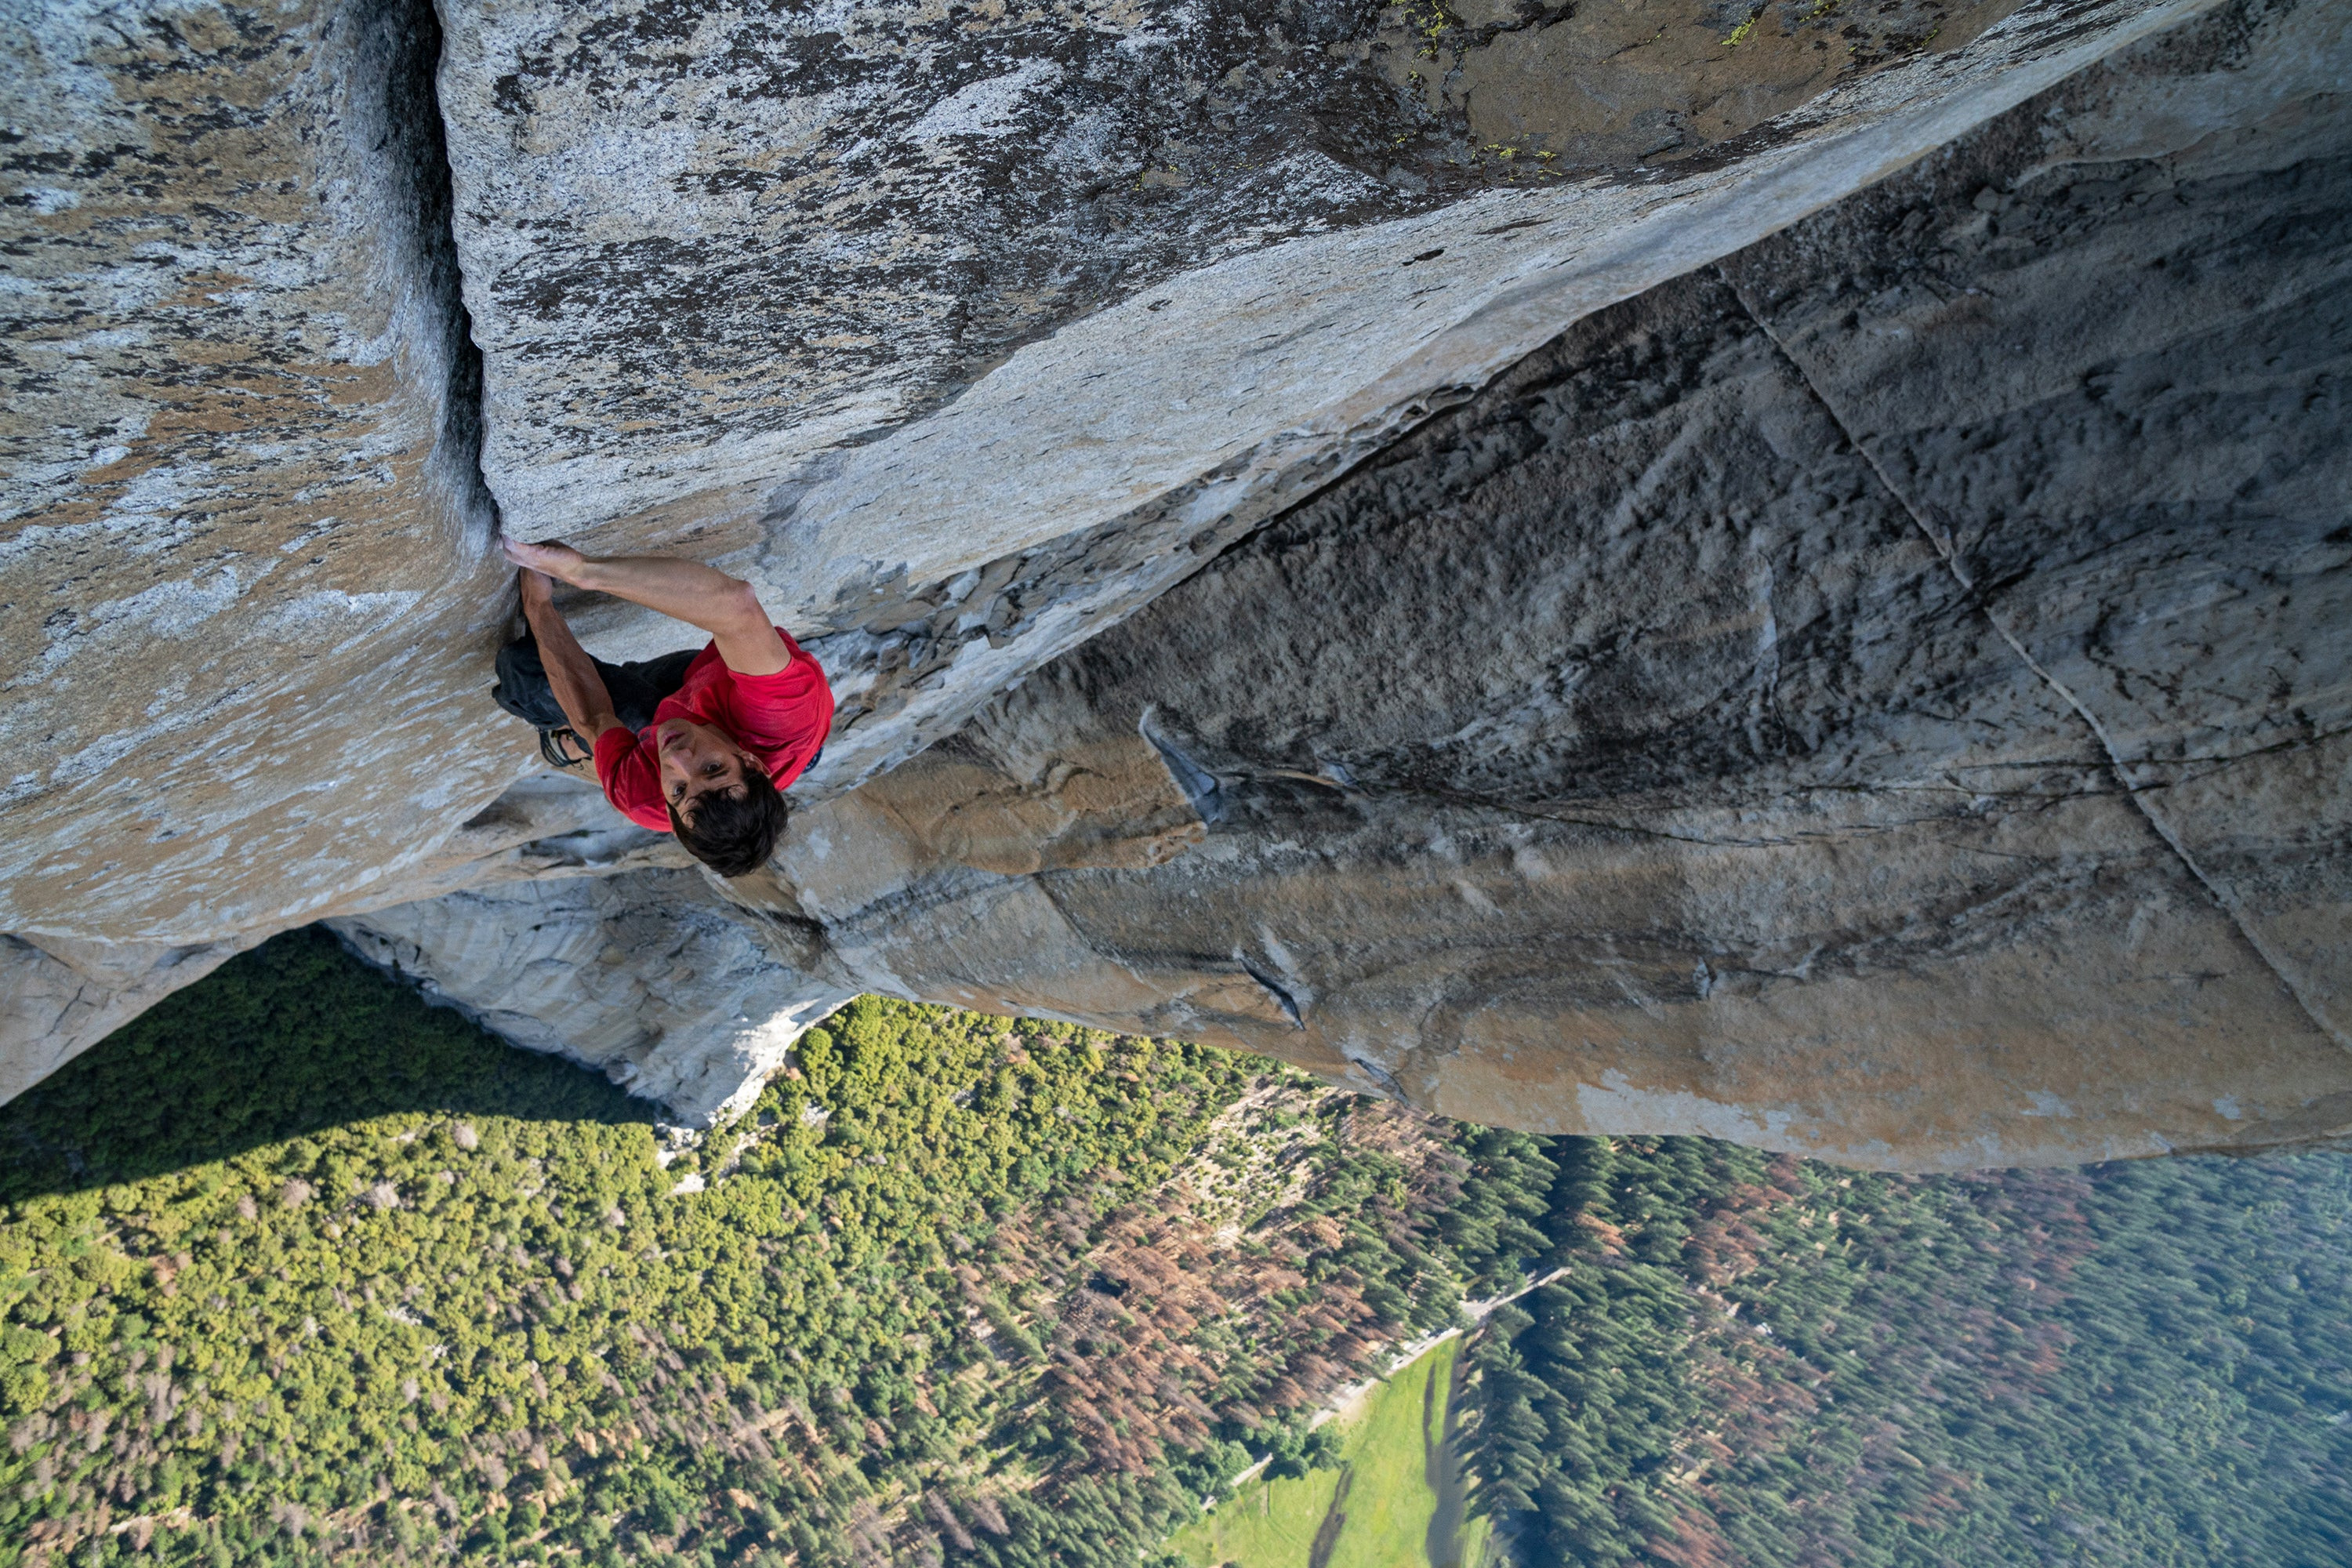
point(967, 331)
point(703, 243)
point(1866, 687)
point(654, 978)
point(59, 997)
point(1883, 695)
point(933, 322)
point(245, 562)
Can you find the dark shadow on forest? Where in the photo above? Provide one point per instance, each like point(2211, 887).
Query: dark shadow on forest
point(291, 1038)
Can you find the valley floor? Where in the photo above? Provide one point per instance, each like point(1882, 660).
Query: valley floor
point(1393, 1499)
point(297, 1271)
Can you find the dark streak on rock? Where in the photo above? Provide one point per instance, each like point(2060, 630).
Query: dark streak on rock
point(1279, 992)
point(399, 54)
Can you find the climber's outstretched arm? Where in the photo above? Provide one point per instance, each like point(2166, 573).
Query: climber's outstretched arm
point(727, 607)
point(579, 691)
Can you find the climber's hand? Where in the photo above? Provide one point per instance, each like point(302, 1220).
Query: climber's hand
point(554, 558)
point(535, 588)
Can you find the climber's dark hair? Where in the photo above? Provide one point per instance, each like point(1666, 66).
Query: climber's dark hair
point(733, 833)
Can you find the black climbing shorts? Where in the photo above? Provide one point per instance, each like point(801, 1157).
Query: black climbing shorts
point(636, 687)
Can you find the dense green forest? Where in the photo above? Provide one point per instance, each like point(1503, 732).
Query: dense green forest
point(296, 1269)
point(1754, 1359)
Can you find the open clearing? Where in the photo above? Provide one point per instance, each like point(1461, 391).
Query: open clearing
point(1371, 1511)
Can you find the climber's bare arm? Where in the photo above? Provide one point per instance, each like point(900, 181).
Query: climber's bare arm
point(727, 607)
point(578, 688)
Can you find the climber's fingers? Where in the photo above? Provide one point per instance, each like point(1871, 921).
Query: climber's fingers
point(552, 557)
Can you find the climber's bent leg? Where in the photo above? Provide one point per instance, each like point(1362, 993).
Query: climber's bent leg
point(636, 688)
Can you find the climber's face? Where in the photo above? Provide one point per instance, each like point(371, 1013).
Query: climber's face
point(696, 759)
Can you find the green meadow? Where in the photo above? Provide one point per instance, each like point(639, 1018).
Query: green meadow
point(1374, 1509)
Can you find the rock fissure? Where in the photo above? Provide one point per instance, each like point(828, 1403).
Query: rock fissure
point(417, 139)
point(2223, 896)
point(1275, 989)
point(1605, 825)
point(2130, 787)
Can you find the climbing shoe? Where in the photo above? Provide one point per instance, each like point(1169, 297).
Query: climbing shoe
point(556, 745)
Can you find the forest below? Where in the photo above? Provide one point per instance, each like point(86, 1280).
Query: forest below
point(296, 1269)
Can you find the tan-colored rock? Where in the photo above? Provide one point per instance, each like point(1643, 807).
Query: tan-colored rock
point(245, 573)
point(1871, 690)
point(1883, 697)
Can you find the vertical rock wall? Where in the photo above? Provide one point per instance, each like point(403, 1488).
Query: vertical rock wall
point(965, 335)
point(244, 571)
point(1870, 691)
point(1882, 696)
point(653, 978)
point(59, 998)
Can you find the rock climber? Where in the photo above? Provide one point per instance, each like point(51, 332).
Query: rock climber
point(701, 742)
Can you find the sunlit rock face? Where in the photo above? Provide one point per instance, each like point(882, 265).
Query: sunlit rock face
point(966, 331)
point(653, 978)
point(1865, 691)
point(244, 567)
point(703, 243)
point(1883, 695)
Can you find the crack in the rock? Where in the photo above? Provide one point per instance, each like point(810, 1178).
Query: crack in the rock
point(2222, 897)
point(1632, 829)
point(399, 55)
point(1200, 785)
point(1792, 841)
point(1282, 998)
point(1381, 1075)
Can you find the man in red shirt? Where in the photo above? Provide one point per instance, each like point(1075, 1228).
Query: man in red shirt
point(712, 760)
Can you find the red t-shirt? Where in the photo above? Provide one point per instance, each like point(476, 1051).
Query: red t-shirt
point(781, 719)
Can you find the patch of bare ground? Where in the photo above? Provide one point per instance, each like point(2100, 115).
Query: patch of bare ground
point(1226, 1295)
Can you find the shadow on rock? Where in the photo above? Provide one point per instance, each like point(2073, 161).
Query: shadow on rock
point(292, 1038)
